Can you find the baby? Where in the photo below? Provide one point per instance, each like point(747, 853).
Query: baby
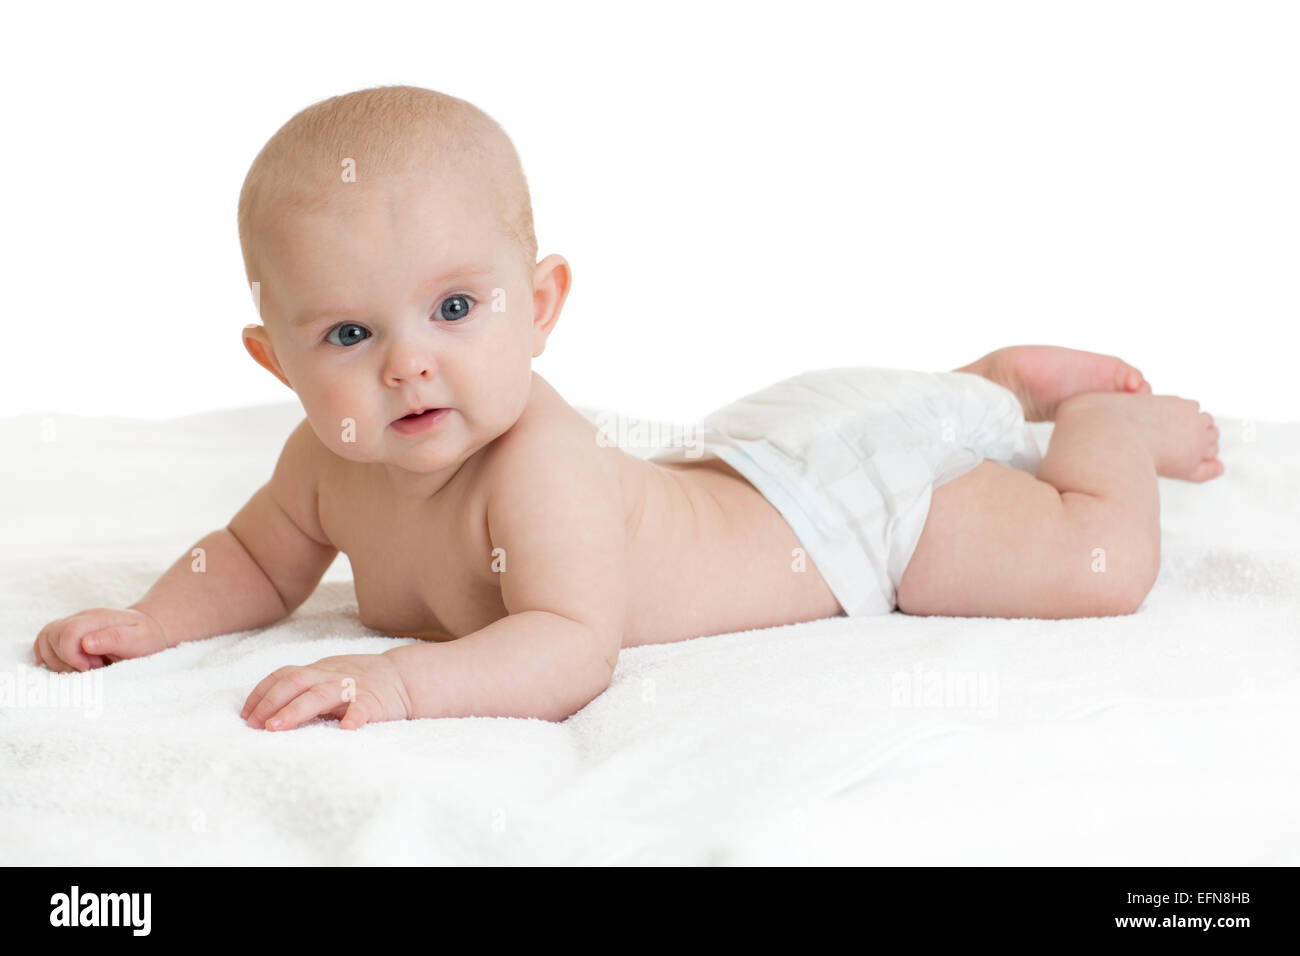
point(388, 236)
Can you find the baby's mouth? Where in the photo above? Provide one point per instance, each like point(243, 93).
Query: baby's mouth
point(418, 413)
point(420, 421)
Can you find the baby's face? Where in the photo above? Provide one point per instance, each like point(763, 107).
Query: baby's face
point(395, 297)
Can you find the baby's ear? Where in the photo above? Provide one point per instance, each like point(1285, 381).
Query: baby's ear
point(551, 281)
point(259, 346)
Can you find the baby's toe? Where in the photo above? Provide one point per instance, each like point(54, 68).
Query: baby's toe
point(1210, 468)
point(1130, 379)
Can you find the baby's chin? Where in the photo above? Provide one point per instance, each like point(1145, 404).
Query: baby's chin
point(416, 461)
point(423, 453)
point(424, 460)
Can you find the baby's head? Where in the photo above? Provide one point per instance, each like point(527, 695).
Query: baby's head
point(390, 235)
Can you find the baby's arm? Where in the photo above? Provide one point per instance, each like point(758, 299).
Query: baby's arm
point(249, 574)
point(259, 567)
point(555, 518)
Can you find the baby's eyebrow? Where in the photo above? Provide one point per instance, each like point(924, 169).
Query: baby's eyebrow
point(315, 314)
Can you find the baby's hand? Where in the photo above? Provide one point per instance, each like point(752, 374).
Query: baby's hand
point(102, 635)
point(359, 688)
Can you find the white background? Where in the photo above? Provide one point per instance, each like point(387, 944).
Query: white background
point(744, 191)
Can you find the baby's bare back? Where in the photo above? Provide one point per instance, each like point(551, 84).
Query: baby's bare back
point(705, 552)
point(710, 555)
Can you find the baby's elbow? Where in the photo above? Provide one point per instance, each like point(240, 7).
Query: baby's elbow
point(602, 642)
point(609, 661)
point(602, 675)
point(571, 704)
point(593, 681)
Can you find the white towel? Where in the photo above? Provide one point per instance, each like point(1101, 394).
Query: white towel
point(1163, 738)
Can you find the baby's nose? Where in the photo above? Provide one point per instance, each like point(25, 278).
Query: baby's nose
point(408, 364)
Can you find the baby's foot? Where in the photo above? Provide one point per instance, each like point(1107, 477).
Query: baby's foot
point(1043, 376)
point(1184, 442)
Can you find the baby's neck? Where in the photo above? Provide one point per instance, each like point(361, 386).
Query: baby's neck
point(415, 488)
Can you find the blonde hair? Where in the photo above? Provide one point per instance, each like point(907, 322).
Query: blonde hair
point(384, 130)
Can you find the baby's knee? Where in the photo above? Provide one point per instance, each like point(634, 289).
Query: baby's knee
point(1113, 556)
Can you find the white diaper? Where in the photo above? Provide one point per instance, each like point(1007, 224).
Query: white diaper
point(850, 457)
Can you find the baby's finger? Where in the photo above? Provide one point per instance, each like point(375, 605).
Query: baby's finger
point(321, 699)
point(48, 652)
point(291, 682)
point(104, 641)
point(68, 644)
point(265, 684)
point(356, 716)
point(45, 655)
point(43, 632)
point(42, 645)
point(69, 649)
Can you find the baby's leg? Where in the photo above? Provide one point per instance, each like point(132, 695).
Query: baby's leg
point(1080, 540)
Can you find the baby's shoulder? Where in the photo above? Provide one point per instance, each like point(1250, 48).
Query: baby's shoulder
point(303, 454)
point(295, 483)
point(550, 439)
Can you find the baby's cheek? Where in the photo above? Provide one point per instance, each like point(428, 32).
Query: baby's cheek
point(343, 424)
point(341, 434)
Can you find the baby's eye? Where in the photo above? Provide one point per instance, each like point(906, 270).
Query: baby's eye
point(350, 334)
point(455, 307)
